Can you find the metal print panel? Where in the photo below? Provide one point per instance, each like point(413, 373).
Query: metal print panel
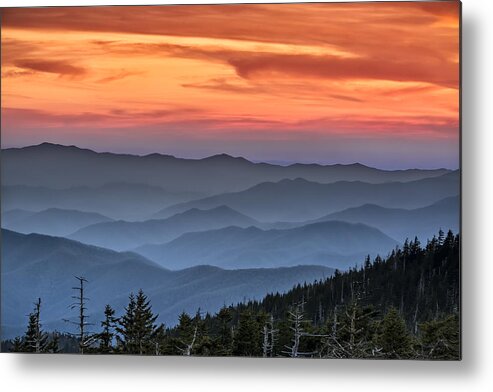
point(261, 180)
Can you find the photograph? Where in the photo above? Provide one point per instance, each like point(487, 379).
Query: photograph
point(232, 180)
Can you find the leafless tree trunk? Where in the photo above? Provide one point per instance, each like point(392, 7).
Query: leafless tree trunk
point(265, 341)
point(37, 310)
point(187, 351)
point(415, 318)
point(296, 318)
point(85, 340)
point(321, 316)
point(269, 338)
point(342, 291)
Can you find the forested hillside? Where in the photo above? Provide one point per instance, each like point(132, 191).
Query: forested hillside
point(404, 306)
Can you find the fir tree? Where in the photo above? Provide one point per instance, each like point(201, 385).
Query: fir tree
point(35, 340)
point(160, 341)
point(248, 336)
point(394, 339)
point(187, 334)
point(126, 327)
point(17, 345)
point(440, 339)
point(53, 346)
point(224, 342)
point(203, 344)
point(107, 335)
point(137, 326)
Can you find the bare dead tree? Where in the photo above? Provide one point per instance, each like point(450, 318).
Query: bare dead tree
point(188, 349)
point(37, 312)
point(269, 338)
point(353, 345)
point(342, 290)
point(415, 317)
point(188, 342)
point(85, 338)
point(265, 341)
point(296, 318)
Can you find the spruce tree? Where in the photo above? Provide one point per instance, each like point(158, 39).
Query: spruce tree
point(394, 338)
point(17, 345)
point(247, 340)
point(187, 334)
point(35, 340)
point(203, 343)
point(440, 339)
point(160, 340)
point(53, 346)
point(126, 327)
point(224, 341)
point(107, 335)
point(137, 326)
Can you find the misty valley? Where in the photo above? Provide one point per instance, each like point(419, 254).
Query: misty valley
point(224, 256)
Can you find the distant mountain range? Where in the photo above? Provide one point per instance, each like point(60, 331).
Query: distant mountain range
point(401, 223)
point(335, 244)
point(57, 166)
point(301, 200)
point(41, 266)
point(192, 237)
point(114, 200)
point(53, 221)
point(122, 235)
point(197, 232)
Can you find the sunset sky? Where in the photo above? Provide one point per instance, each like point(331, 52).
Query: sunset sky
point(375, 83)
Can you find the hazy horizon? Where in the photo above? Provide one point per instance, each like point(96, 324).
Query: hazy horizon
point(272, 161)
point(193, 81)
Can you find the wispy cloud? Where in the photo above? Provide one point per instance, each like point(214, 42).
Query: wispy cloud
point(245, 72)
point(60, 67)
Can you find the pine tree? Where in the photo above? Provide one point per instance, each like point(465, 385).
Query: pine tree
point(160, 340)
point(137, 326)
point(35, 340)
point(53, 346)
point(108, 325)
point(248, 336)
point(17, 345)
point(394, 339)
point(224, 342)
point(440, 339)
point(126, 327)
point(441, 236)
point(203, 343)
point(187, 334)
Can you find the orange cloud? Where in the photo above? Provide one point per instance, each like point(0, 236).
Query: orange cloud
point(435, 72)
point(51, 66)
point(360, 69)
